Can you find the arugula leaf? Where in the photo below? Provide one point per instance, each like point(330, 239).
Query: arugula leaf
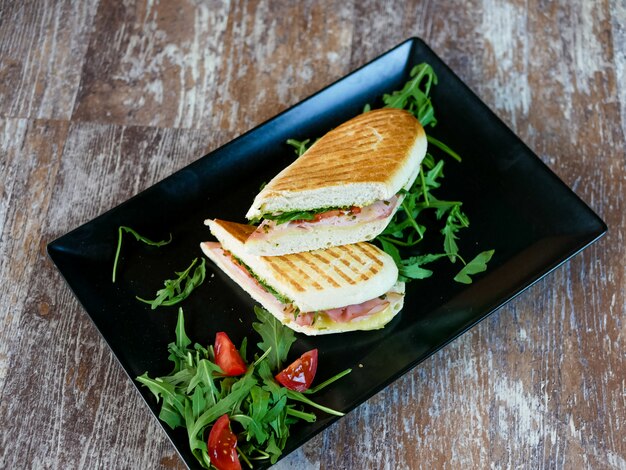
point(414, 96)
point(475, 266)
point(170, 416)
point(299, 146)
point(411, 268)
point(273, 450)
point(298, 396)
point(160, 388)
point(455, 221)
point(326, 383)
point(285, 217)
point(441, 146)
point(173, 293)
point(182, 340)
point(138, 237)
point(274, 335)
point(390, 249)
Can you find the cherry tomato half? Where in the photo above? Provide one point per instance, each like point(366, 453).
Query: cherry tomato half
point(227, 356)
point(300, 374)
point(222, 445)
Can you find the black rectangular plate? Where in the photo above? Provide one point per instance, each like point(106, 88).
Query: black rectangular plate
point(516, 205)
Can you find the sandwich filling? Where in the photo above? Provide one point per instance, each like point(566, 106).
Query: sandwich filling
point(267, 295)
point(274, 224)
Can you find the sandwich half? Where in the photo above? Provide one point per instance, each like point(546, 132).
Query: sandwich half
point(346, 288)
point(344, 189)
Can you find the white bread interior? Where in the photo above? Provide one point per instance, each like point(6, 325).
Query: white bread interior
point(318, 280)
point(352, 181)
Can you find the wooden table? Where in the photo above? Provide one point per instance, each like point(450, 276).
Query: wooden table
point(99, 100)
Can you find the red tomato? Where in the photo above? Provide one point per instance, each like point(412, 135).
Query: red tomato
point(300, 374)
point(227, 356)
point(336, 213)
point(327, 214)
point(223, 445)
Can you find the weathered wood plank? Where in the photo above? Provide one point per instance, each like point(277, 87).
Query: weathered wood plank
point(206, 66)
point(42, 47)
point(31, 156)
point(153, 63)
point(277, 54)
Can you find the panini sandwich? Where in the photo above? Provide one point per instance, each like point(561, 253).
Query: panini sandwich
point(345, 288)
point(344, 189)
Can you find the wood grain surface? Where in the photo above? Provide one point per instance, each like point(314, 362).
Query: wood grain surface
point(100, 99)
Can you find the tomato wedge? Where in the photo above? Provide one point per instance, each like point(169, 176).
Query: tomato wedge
point(300, 374)
point(222, 445)
point(335, 213)
point(227, 356)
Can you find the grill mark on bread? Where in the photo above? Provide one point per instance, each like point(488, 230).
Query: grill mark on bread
point(316, 268)
point(322, 178)
point(351, 254)
point(386, 161)
point(394, 141)
point(386, 165)
point(345, 154)
point(361, 136)
point(344, 157)
point(334, 253)
point(284, 274)
point(330, 264)
point(346, 160)
point(373, 269)
point(371, 252)
point(287, 260)
point(238, 231)
point(378, 116)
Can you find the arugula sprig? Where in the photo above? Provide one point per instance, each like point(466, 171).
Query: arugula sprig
point(405, 229)
point(300, 146)
point(409, 225)
point(138, 237)
point(174, 292)
point(196, 393)
point(475, 266)
point(414, 96)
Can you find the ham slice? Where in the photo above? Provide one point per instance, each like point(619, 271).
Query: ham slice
point(339, 218)
point(352, 312)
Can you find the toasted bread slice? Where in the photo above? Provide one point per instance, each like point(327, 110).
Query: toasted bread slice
point(368, 158)
point(317, 280)
point(323, 324)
